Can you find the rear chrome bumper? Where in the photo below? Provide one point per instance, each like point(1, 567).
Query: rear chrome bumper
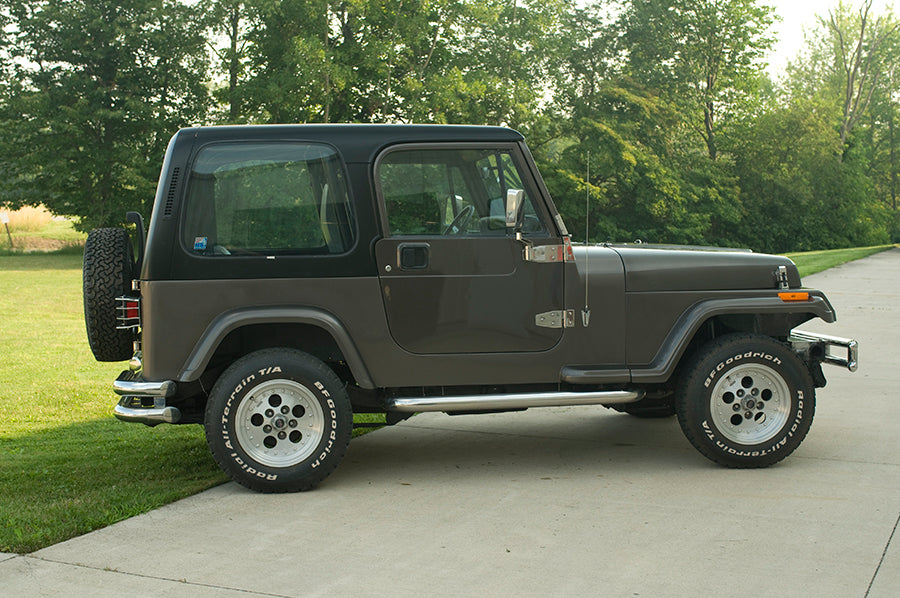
point(834, 350)
point(137, 395)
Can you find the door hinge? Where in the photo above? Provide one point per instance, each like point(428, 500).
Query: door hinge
point(561, 318)
point(550, 254)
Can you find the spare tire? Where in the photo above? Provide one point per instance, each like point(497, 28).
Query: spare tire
point(107, 273)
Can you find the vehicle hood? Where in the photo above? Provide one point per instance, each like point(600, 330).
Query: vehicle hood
point(650, 268)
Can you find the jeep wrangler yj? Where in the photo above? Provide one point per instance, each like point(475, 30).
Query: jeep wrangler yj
point(293, 275)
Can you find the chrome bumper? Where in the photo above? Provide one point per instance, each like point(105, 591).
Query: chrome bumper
point(136, 394)
point(827, 345)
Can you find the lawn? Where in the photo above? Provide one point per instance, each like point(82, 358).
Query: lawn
point(35, 229)
point(66, 465)
point(810, 262)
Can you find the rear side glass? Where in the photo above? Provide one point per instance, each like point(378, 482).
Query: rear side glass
point(267, 198)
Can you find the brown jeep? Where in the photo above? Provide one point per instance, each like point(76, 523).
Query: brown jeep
point(293, 275)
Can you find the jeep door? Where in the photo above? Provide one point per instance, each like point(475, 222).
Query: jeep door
point(454, 278)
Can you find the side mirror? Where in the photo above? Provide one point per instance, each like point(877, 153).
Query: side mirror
point(514, 200)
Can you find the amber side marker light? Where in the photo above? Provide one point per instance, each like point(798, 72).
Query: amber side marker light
point(794, 296)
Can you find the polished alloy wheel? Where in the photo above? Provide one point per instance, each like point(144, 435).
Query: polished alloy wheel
point(751, 404)
point(280, 424)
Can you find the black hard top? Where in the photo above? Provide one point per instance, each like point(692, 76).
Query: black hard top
point(357, 142)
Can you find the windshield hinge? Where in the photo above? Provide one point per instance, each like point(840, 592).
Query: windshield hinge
point(550, 254)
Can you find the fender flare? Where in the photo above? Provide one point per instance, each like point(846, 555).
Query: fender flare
point(229, 321)
point(687, 325)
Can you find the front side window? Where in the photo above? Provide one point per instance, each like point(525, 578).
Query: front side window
point(451, 192)
point(267, 198)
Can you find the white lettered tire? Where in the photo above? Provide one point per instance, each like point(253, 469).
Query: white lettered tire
point(278, 420)
point(745, 400)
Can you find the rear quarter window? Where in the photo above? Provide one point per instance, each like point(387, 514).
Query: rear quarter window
point(251, 198)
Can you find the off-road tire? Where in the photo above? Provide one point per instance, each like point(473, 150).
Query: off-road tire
point(745, 401)
point(106, 274)
point(278, 420)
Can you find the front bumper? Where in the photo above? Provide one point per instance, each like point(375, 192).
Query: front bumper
point(843, 352)
point(144, 402)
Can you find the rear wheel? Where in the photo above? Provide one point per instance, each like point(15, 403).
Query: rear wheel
point(278, 420)
point(106, 275)
point(745, 401)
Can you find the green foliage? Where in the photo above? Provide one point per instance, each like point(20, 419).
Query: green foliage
point(703, 56)
point(688, 139)
point(97, 90)
point(400, 60)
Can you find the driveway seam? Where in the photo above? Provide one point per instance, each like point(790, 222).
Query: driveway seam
point(883, 556)
point(153, 577)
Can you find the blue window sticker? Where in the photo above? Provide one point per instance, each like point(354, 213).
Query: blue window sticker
point(200, 243)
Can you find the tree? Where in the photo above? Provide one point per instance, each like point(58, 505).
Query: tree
point(851, 67)
point(800, 191)
point(647, 179)
point(229, 20)
point(97, 91)
point(704, 55)
point(386, 60)
point(859, 42)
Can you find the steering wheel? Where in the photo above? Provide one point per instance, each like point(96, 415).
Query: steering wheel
point(459, 223)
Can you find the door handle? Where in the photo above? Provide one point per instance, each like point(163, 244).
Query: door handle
point(413, 256)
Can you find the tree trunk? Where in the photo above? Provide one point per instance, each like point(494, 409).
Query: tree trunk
point(234, 65)
point(709, 123)
point(893, 159)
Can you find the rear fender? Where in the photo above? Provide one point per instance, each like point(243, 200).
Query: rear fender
point(229, 321)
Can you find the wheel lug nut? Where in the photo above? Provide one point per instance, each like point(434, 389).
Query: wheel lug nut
point(269, 413)
point(282, 435)
point(284, 409)
point(292, 423)
point(740, 392)
point(748, 415)
point(754, 392)
point(267, 428)
point(736, 407)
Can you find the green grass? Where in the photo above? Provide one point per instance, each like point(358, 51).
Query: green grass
point(66, 465)
point(810, 262)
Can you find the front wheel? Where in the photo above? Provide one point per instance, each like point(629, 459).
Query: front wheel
point(278, 420)
point(745, 401)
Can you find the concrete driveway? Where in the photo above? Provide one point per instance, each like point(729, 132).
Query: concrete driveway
point(549, 502)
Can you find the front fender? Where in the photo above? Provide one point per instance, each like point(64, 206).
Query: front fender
point(687, 325)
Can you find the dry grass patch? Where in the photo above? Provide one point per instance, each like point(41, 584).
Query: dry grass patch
point(28, 219)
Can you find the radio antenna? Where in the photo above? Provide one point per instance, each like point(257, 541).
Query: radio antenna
point(586, 312)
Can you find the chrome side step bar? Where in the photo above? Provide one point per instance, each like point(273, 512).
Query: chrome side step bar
point(511, 401)
point(806, 340)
